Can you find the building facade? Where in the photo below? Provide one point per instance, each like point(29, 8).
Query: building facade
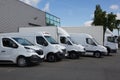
point(15, 14)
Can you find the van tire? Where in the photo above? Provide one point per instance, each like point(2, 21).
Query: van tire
point(73, 55)
point(21, 62)
point(108, 51)
point(51, 58)
point(97, 54)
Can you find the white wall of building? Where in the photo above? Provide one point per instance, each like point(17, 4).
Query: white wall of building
point(15, 14)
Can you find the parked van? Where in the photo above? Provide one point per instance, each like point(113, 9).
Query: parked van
point(91, 45)
point(51, 49)
point(20, 51)
point(110, 42)
point(73, 51)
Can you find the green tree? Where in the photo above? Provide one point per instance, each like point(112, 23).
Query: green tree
point(100, 17)
point(111, 21)
point(97, 16)
point(103, 19)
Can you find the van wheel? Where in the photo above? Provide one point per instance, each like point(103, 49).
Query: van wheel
point(21, 62)
point(97, 54)
point(51, 58)
point(72, 55)
point(108, 51)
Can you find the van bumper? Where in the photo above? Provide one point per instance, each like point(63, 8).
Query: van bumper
point(103, 53)
point(77, 54)
point(34, 59)
point(82, 53)
point(113, 50)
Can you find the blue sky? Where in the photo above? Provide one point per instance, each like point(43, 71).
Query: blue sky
point(75, 12)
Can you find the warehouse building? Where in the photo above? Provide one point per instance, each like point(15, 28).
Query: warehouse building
point(15, 14)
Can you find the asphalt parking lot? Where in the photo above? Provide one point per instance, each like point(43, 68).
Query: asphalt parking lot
point(85, 68)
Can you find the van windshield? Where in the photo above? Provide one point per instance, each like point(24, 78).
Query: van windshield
point(112, 39)
point(23, 42)
point(95, 41)
point(51, 40)
point(72, 40)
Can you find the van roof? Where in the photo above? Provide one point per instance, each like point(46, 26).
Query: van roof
point(82, 34)
point(17, 34)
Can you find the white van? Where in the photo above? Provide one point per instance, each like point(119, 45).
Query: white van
point(73, 51)
point(110, 42)
point(90, 44)
point(108, 39)
point(51, 49)
point(19, 51)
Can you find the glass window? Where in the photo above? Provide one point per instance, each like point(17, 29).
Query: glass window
point(47, 15)
point(51, 40)
point(63, 40)
point(58, 20)
point(72, 40)
point(110, 39)
point(23, 42)
point(58, 24)
point(40, 40)
point(90, 41)
point(51, 17)
point(95, 41)
point(55, 19)
point(9, 43)
point(52, 20)
point(47, 20)
point(55, 23)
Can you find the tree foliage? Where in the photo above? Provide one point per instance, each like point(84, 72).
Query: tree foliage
point(111, 21)
point(101, 18)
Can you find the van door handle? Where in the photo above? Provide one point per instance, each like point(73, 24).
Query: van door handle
point(2, 51)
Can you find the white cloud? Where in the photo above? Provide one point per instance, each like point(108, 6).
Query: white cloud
point(47, 7)
point(31, 2)
point(118, 16)
point(114, 7)
point(88, 23)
